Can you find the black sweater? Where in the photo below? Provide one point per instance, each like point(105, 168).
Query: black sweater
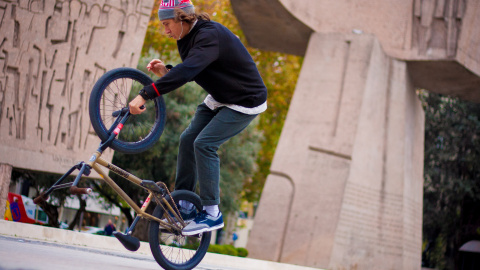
point(215, 59)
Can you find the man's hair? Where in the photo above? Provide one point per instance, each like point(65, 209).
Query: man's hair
point(190, 18)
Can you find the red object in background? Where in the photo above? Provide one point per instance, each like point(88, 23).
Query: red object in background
point(18, 209)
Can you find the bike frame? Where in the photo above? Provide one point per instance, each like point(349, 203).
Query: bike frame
point(96, 162)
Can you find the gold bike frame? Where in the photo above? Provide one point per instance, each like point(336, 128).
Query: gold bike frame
point(97, 162)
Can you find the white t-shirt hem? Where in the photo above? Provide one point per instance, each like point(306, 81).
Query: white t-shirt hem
point(213, 104)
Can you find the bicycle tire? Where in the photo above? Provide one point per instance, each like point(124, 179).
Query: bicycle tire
point(112, 92)
point(177, 256)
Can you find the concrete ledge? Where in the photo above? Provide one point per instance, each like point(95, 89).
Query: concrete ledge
point(268, 25)
point(60, 236)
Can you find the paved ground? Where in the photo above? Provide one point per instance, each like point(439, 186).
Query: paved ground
point(32, 247)
point(21, 253)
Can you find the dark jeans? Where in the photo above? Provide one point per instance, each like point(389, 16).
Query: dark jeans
point(197, 154)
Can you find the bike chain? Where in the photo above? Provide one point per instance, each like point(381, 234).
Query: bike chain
point(162, 185)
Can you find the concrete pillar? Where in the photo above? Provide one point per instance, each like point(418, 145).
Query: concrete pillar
point(346, 185)
point(5, 176)
point(272, 217)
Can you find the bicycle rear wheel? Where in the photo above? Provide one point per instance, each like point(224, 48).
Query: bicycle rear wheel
point(112, 92)
point(174, 251)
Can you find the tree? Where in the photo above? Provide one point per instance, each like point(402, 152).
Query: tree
point(79, 215)
point(279, 71)
point(452, 178)
point(41, 182)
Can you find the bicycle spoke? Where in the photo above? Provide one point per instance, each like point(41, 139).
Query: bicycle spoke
point(175, 248)
point(116, 97)
point(113, 92)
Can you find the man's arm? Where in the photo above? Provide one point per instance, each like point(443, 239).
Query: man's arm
point(202, 54)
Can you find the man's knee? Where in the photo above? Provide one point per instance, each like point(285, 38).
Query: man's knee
point(203, 145)
point(187, 139)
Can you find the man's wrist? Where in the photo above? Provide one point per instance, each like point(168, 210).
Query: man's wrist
point(144, 94)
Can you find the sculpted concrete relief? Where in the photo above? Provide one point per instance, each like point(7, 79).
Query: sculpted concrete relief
point(51, 54)
point(443, 31)
point(437, 24)
point(434, 24)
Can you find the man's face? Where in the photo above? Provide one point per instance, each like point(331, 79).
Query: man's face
point(172, 29)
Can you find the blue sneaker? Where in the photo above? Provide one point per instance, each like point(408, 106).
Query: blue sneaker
point(203, 222)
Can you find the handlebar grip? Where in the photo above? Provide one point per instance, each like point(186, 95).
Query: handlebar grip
point(41, 198)
point(124, 111)
point(120, 112)
point(77, 190)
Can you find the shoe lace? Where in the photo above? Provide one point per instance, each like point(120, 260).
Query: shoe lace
point(202, 215)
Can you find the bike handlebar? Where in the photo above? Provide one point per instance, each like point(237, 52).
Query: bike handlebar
point(76, 190)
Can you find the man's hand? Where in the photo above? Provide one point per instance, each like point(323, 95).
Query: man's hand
point(157, 67)
point(135, 105)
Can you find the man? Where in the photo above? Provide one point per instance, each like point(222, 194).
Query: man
point(216, 60)
point(109, 228)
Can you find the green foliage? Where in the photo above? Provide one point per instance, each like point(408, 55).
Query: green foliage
point(228, 250)
point(215, 249)
point(237, 156)
point(279, 72)
point(159, 162)
point(452, 178)
point(242, 252)
point(246, 158)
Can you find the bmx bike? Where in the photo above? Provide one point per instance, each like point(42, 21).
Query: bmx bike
point(132, 134)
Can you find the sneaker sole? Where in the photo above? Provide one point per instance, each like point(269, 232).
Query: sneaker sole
point(185, 220)
point(204, 230)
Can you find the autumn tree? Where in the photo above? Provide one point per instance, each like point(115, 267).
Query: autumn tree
point(245, 158)
point(278, 70)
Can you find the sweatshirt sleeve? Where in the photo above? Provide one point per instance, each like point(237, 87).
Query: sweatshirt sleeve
point(204, 51)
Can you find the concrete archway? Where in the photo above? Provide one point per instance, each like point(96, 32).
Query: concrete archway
point(352, 143)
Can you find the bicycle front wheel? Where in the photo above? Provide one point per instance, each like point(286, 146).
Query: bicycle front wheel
point(112, 92)
point(174, 251)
